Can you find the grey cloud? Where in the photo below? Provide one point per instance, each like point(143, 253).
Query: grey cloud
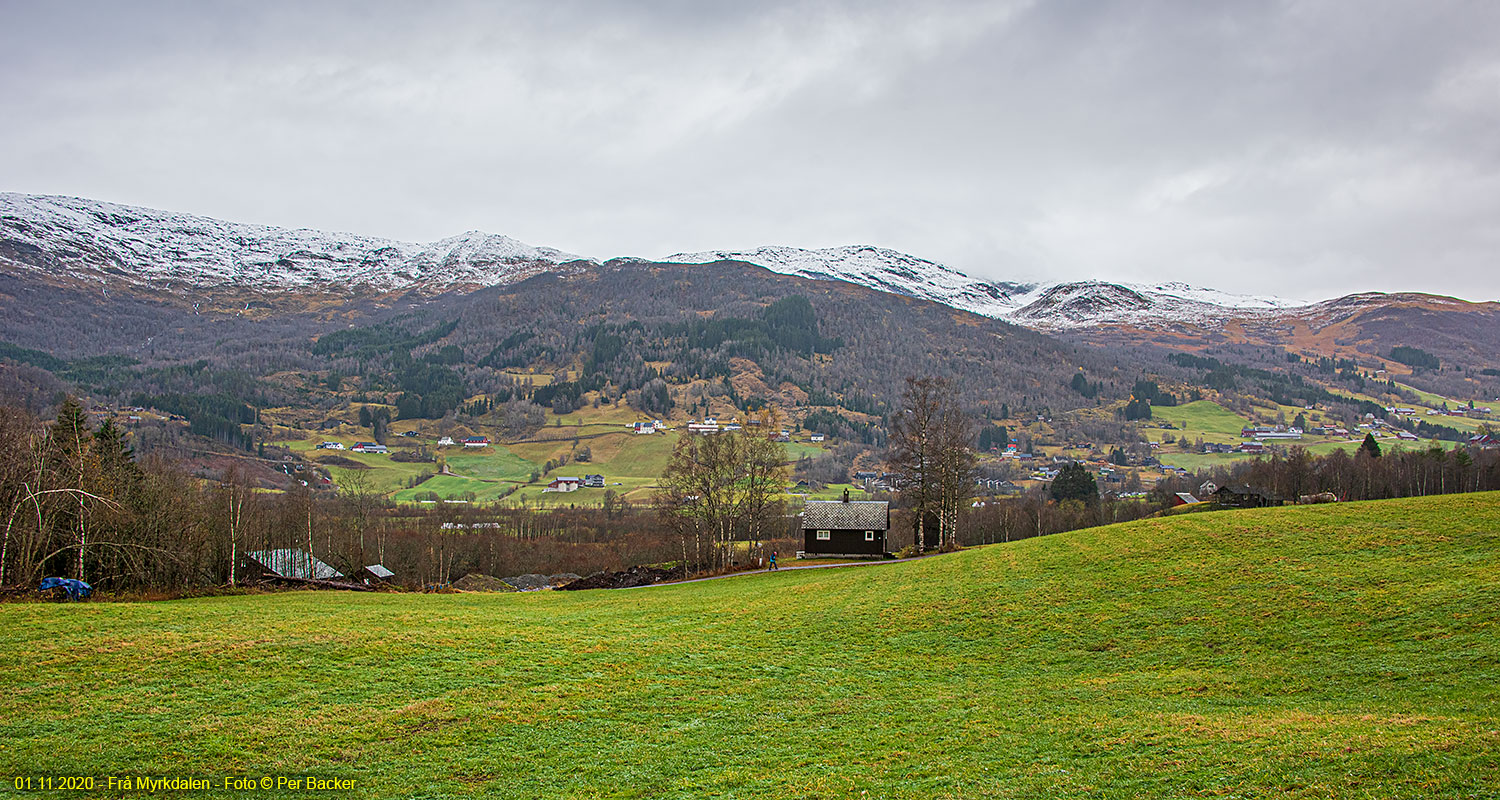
point(1301, 148)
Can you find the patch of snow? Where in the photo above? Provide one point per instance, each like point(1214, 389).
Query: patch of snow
point(107, 243)
point(1050, 306)
point(95, 240)
point(879, 268)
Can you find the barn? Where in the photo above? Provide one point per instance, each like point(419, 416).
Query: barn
point(845, 528)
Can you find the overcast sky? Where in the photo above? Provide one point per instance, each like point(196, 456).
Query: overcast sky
point(1306, 149)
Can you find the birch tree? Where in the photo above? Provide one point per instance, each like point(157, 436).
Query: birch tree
point(931, 452)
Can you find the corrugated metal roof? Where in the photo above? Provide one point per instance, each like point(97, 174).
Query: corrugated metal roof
point(379, 571)
point(293, 563)
point(860, 515)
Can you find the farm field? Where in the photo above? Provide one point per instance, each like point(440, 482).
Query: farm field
point(1338, 651)
point(452, 487)
point(1202, 417)
point(1197, 461)
point(630, 463)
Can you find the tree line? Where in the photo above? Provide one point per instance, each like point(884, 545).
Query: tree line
point(78, 502)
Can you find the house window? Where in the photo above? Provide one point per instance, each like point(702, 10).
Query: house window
point(869, 536)
point(824, 536)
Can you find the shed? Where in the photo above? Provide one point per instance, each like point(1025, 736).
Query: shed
point(1183, 499)
point(288, 563)
point(847, 528)
point(376, 573)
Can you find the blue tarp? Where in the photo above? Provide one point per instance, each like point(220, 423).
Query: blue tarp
point(77, 590)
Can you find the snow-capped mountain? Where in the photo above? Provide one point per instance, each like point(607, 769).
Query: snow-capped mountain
point(1089, 303)
point(1052, 306)
point(882, 269)
point(86, 239)
point(115, 245)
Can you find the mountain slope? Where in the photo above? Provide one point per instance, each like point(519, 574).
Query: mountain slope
point(107, 243)
point(190, 259)
point(1050, 306)
point(882, 269)
point(1340, 651)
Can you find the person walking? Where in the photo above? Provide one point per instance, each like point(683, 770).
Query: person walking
point(773, 560)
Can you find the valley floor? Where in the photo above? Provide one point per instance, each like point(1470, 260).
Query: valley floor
point(1325, 651)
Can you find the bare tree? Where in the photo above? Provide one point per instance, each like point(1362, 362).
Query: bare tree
point(956, 468)
point(235, 493)
point(913, 448)
point(931, 452)
point(719, 488)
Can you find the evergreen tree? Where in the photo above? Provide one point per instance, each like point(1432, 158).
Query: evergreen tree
point(70, 433)
point(1074, 482)
point(68, 442)
point(114, 451)
point(1370, 447)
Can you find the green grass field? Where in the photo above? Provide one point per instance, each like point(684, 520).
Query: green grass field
point(497, 463)
point(1326, 651)
point(453, 487)
point(630, 463)
point(1202, 417)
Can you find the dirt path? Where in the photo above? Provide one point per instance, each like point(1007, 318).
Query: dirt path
point(788, 569)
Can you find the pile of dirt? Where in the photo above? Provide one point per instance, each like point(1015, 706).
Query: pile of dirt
point(479, 582)
point(563, 578)
point(635, 576)
point(530, 582)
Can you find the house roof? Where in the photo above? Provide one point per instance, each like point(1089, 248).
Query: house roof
point(293, 563)
point(1243, 489)
point(1186, 497)
point(855, 515)
point(379, 571)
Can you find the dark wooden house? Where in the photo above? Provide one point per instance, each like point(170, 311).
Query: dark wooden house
point(848, 528)
point(1240, 495)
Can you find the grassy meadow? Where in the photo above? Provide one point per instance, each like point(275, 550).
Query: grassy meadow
point(1327, 651)
point(1203, 418)
point(629, 463)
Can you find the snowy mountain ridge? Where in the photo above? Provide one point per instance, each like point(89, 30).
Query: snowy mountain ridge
point(89, 239)
point(108, 243)
point(1054, 306)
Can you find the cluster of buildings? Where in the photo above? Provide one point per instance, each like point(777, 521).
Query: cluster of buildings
point(567, 484)
point(1263, 433)
point(876, 481)
point(1013, 452)
point(1471, 413)
point(709, 426)
point(375, 447)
